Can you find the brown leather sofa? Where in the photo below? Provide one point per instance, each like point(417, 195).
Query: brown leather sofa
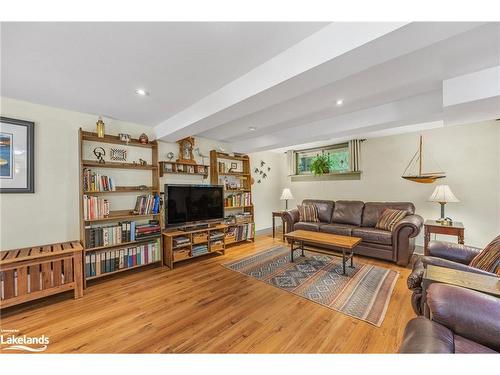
point(462, 321)
point(358, 219)
point(442, 254)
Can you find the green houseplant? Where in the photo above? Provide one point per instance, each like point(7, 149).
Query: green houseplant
point(320, 165)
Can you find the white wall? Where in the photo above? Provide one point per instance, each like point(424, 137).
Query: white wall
point(267, 193)
point(51, 214)
point(470, 156)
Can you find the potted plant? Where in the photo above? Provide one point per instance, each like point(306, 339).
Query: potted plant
point(320, 165)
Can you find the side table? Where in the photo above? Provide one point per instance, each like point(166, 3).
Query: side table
point(279, 214)
point(433, 226)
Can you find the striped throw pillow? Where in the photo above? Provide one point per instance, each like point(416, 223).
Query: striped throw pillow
point(489, 258)
point(389, 218)
point(308, 212)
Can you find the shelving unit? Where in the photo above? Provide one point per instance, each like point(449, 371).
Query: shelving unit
point(241, 178)
point(119, 215)
point(173, 254)
point(171, 167)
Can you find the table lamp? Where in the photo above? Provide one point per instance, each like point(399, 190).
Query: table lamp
point(285, 196)
point(443, 194)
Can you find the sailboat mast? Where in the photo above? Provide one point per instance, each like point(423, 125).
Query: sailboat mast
point(420, 158)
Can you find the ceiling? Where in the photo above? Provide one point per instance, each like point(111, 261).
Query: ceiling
point(96, 67)
point(260, 86)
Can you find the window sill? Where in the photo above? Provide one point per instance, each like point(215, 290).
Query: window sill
point(340, 176)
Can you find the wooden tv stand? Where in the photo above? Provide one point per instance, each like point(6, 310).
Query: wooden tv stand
point(173, 253)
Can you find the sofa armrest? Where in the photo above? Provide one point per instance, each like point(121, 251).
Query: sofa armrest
point(471, 314)
point(452, 251)
point(291, 217)
point(403, 235)
point(425, 336)
point(414, 222)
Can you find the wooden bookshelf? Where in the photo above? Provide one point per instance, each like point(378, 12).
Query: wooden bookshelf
point(153, 187)
point(241, 176)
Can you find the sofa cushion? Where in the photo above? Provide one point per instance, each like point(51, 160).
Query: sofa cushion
point(373, 210)
point(465, 346)
point(389, 219)
point(373, 235)
point(314, 227)
point(325, 208)
point(348, 212)
point(489, 258)
point(340, 229)
point(308, 212)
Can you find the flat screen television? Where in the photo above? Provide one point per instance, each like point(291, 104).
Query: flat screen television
point(192, 204)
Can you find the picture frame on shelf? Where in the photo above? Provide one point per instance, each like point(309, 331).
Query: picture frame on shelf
point(17, 143)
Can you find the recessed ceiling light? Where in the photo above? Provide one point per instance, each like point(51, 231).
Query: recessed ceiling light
point(141, 92)
point(252, 128)
point(339, 101)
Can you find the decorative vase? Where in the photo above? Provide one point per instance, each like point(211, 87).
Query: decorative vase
point(100, 127)
point(143, 138)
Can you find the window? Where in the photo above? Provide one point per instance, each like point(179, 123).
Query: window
point(338, 157)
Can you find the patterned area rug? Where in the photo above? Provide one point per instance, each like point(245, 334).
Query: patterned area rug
point(364, 293)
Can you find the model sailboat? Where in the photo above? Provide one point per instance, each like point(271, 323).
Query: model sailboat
point(421, 177)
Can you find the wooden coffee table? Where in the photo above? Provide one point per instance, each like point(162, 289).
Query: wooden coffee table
point(343, 243)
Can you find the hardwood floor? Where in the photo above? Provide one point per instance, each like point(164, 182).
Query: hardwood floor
point(202, 307)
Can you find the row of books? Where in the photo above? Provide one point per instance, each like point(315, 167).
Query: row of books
point(125, 231)
point(109, 261)
point(181, 241)
point(147, 204)
point(95, 208)
point(93, 181)
point(237, 200)
point(222, 167)
point(241, 232)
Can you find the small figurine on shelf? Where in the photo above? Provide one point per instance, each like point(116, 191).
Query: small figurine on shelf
point(143, 138)
point(99, 153)
point(143, 162)
point(100, 127)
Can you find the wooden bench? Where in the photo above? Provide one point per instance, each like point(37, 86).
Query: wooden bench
point(40, 271)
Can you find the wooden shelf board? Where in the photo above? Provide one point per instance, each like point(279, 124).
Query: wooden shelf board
point(239, 174)
point(229, 157)
point(124, 244)
point(236, 207)
point(237, 191)
point(89, 136)
point(121, 270)
point(123, 189)
point(109, 164)
point(199, 255)
point(120, 215)
point(182, 172)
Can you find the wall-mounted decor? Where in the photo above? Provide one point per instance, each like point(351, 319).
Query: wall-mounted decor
point(118, 154)
point(419, 176)
point(170, 156)
point(261, 172)
point(186, 146)
point(17, 156)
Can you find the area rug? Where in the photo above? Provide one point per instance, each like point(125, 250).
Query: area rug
point(364, 293)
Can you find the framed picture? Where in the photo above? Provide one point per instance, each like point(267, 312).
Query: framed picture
point(17, 169)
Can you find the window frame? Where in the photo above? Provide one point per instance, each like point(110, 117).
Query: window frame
point(317, 151)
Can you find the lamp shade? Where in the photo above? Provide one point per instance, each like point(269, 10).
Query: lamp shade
point(286, 194)
point(443, 194)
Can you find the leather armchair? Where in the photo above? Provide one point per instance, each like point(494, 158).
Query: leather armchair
point(442, 254)
point(462, 321)
point(403, 237)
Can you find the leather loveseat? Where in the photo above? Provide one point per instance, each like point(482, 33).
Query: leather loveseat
point(358, 219)
point(462, 321)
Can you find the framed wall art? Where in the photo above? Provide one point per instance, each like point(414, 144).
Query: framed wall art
point(17, 168)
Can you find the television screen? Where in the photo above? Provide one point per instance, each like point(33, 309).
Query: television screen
point(193, 203)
